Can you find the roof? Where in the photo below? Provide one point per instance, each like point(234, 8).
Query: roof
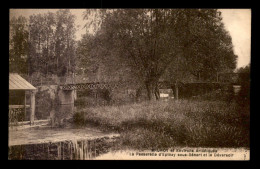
point(16, 82)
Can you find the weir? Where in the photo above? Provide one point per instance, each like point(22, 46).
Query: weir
point(63, 150)
point(70, 144)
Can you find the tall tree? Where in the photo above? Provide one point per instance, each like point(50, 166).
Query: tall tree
point(65, 43)
point(41, 40)
point(151, 40)
point(18, 45)
point(52, 43)
point(244, 80)
point(210, 54)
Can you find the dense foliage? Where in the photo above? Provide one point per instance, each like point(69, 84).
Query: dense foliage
point(142, 46)
point(45, 43)
point(160, 43)
point(18, 45)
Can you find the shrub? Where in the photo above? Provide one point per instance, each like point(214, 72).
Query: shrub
point(79, 119)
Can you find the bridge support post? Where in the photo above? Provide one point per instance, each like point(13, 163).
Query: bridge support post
point(75, 94)
point(66, 96)
point(176, 91)
point(32, 107)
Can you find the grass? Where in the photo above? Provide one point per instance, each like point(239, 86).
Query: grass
point(165, 124)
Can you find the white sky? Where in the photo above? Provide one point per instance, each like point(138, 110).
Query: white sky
point(236, 21)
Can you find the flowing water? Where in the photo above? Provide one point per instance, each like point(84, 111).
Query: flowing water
point(65, 150)
point(56, 141)
point(59, 144)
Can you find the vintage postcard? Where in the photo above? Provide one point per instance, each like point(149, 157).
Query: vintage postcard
point(129, 84)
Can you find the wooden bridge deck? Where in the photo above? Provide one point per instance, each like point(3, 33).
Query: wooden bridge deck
point(83, 86)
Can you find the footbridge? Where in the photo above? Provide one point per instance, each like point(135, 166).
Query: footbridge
point(67, 92)
point(95, 85)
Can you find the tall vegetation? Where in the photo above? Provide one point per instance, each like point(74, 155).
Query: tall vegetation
point(159, 124)
point(45, 43)
point(18, 45)
point(244, 80)
point(158, 43)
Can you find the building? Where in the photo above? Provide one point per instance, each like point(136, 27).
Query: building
point(18, 88)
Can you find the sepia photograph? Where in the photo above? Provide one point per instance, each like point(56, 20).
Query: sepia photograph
point(129, 84)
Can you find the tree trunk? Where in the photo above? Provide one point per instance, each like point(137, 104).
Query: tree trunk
point(47, 54)
point(176, 91)
point(157, 92)
point(152, 90)
point(57, 65)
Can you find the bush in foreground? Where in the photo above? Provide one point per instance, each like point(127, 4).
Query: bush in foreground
point(163, 124)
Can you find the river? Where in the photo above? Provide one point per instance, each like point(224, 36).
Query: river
point(54, 139)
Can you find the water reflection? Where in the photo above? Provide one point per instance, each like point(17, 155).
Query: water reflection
point(65, 150)
point(62, 145)
point(60, 112)
point(58, 142)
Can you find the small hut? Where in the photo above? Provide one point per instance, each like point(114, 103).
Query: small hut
point(18, 88)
